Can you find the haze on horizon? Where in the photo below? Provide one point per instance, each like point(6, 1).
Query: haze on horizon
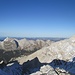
point(37, 18)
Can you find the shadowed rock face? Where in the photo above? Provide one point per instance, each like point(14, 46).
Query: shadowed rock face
point(0, 45)
point(35, 67)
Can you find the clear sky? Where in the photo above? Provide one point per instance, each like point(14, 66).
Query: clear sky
point(37, 18)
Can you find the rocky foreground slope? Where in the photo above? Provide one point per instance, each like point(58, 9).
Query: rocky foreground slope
point(56, 59)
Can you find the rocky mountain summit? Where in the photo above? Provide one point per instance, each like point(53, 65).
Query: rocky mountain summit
point(28, 45)
point(59, 55)
point(12, 48)
point(56, 59)
point(63, 50)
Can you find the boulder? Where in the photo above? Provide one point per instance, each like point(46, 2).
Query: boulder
point(47, 70)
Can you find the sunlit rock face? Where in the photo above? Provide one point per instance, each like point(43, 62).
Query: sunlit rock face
point(63, 50)
point(27, 45)
point(12, 48)
point(41, 43)
point(56, 59)
point(10, 44)
point(31, 45)
point(24, 44)
point(72, 39)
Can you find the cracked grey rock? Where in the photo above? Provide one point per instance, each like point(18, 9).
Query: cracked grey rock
point(10, 44)
point(48, 70)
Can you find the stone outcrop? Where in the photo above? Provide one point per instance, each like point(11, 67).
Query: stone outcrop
point(45, 70)
point(27, 45)
point(31, 45)
point(23, 44)
point(0, 45)
point(63, 50)
point(59, 55)
point(34, 67)
point(10, 44)
point(56, 59)
point(12, 48)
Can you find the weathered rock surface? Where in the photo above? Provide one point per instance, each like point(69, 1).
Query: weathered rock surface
point(63, 50)
point(23, 44)
point(10, 44)
point(47, 70)
point(59, 55)
point(12, 48)
point(27, 45)
point(0, 45)
point(35, 67)
point(56, 59)
point(31, 45)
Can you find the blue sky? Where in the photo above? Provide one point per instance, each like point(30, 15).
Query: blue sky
point(37, 18)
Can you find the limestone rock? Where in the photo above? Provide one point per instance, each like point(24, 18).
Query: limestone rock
point(1, 47)
point(63, 50)
point(48, 70)
point(11, 48)
point(10, 44)
point(27, 45)
point(36, 73)
point(72, 39)
point(31, 45)
point(56, 59)
point(23, 44)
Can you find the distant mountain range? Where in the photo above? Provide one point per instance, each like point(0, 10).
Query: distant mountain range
point(35, 38)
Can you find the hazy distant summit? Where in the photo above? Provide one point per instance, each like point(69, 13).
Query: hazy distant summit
point(35, 38)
